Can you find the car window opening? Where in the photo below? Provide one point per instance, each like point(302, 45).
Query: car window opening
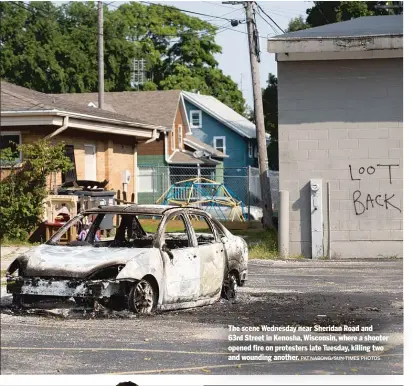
point(176, 233)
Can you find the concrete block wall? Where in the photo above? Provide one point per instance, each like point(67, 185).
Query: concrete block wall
point(342, 121)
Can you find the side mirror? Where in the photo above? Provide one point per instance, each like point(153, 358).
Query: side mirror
point(167, 251)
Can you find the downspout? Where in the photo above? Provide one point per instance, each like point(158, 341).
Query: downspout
point(60, 129)
point(135, 171)
point(154, 136)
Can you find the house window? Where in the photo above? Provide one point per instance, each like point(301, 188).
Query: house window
point(146, 180)
point(255, 152)
point(219, 144)
point(70, 175)
point(195, 119)
point(11, 139)
point(173, 139)
point(250, 149)
point(180, 137)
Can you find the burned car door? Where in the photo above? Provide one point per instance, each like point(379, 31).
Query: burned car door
point(211, 253)
point(181, 261)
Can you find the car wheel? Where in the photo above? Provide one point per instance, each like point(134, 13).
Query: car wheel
point(142, 297)
point(230, 287)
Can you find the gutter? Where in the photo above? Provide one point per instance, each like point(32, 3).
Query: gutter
point(84, 116)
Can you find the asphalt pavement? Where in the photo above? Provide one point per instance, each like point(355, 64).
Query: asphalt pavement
point(296, 293)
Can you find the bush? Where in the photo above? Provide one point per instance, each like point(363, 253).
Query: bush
point(22, 192)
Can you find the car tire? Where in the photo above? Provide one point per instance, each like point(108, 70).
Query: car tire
point(230, 287)
point(142, 297)
point(17, 301)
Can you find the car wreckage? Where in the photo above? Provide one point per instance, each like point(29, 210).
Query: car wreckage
point(137, 257)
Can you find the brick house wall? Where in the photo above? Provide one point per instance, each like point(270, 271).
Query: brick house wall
point(114, 153)
point(342, 121)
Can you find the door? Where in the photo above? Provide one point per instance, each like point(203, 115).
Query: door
point(90, 162)
point(181, 261)
point(211, 254)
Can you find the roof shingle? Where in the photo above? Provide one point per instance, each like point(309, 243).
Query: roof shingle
point(17, 98)
point(157, 107)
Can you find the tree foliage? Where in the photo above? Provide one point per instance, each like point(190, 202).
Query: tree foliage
point(297, 24)
point(327, 12)
point(23, 190)
point(270, 105)
point(53, 48)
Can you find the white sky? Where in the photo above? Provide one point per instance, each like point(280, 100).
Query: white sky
point(234, 60)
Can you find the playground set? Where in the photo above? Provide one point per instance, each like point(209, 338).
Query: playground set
point(212, 196)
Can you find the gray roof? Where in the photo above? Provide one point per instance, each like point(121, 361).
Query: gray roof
point(197, 144)
point(156, 107)
point(186, 157)
point(222, 113)
point(17, 98)
point(361, 26)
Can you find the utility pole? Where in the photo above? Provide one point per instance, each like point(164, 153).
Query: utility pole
point(101, 75)
point(253, 40)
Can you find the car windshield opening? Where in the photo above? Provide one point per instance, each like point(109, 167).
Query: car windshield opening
point(111, 230)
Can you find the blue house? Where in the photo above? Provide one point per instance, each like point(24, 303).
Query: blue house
point(217, 125)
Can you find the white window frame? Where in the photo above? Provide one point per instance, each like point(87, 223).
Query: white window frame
point(173, 139)
point(224, 144)
point(146, 172)
point(180, 136)
point(4, 133)
point(250, 149)
point(191, 114)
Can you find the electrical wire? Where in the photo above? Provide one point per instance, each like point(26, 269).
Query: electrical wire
point(183, 10)
point(269, 17)
point(271, 26)
point(319, 9)
point(31, 10)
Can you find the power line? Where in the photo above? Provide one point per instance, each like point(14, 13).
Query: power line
point(262, 17)
point(183, 10)
point(269, 17)
point(85, 29)
point(319, 9)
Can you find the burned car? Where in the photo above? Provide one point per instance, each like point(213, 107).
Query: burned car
point(140, 257)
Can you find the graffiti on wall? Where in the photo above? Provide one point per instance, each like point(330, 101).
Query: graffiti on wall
point(363, 202)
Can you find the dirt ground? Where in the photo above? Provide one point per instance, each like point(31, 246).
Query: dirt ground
point(195, 341)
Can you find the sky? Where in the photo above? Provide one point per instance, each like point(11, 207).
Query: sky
point(234, 59)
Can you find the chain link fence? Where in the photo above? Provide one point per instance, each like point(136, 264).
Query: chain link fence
point(241, 183)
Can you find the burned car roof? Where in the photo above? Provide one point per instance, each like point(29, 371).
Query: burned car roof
point(142, 209)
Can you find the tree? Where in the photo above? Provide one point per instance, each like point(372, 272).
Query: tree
point(270, 104)
point(23, 190)
point(297, 24)
point(53, 48)
point(327, 12)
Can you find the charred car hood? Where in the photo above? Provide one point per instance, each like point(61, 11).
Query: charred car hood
point(78, 262)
